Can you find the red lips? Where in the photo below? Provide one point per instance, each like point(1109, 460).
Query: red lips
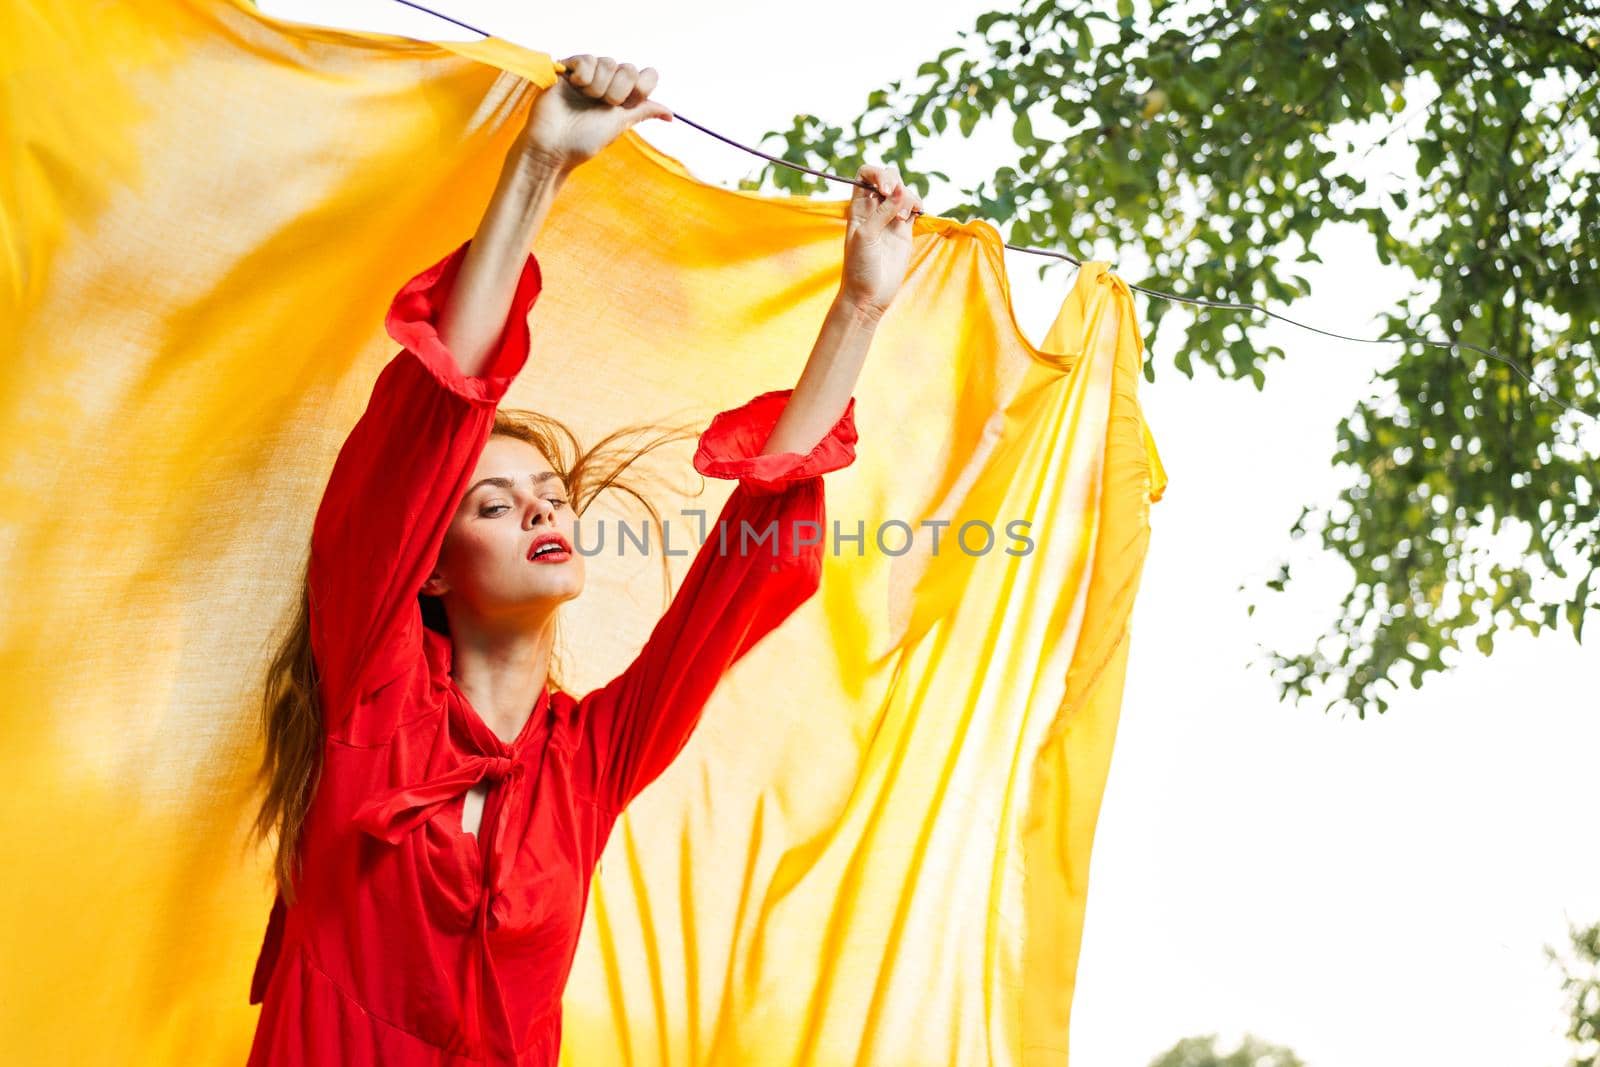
point(545, 539)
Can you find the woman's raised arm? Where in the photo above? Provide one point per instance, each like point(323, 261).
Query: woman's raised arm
point(877, 249)
point(586, 109)
point(475, 314)
point(778, 446)
point(463, 325)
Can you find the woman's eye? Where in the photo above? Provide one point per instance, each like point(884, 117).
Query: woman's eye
point(491, 509)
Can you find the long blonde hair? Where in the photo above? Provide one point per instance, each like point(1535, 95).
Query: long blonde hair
point(291, 711)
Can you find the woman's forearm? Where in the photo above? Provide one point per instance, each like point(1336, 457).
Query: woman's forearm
point(877, 250)
point(829, 377)
point(475, 313)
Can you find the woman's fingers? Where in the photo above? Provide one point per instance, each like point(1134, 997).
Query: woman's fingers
point(622, 83)
point(580, 69)
point(878, 215)
point(876, 194)
point(891, 200)
point(603, 78)
point(898, 200)
point(604, 69)
point(884, 178)
point(643, 87)
point(592, 75)
point(872, 175)
point(908, 203)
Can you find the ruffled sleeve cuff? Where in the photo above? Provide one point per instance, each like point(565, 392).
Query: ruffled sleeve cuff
point(413, 322)
point(730, 446)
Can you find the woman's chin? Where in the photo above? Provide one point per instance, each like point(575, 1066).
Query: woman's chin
point(557, 589)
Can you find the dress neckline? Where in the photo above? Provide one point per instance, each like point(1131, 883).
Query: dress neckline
point(472, 724)
point(489, 742)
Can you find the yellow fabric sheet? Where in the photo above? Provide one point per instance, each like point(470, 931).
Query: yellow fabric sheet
point(875, 849)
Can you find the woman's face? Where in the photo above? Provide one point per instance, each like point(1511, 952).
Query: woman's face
point(514, 498)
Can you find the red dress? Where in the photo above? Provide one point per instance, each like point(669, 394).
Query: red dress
point(413, 941)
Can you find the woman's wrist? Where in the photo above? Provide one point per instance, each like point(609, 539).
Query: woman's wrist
point(541, 170)
point(539, 164)
point(861, 311)
point(534, 183)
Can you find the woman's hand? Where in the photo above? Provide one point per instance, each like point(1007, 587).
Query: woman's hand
point(877, 239)
point(587, 108)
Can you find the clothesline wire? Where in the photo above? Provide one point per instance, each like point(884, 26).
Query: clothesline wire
point(1226, 305)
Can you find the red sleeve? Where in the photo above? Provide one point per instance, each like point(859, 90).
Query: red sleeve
point(396, 484)
point(636, 724)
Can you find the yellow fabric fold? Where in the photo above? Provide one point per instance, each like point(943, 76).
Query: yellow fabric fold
point(875, 850)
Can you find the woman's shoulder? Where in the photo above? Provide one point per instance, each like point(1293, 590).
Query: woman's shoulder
point(369, 718)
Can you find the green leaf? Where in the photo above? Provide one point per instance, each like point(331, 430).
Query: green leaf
point(1022, 130)
point(1577, 606)
point(1429, 153)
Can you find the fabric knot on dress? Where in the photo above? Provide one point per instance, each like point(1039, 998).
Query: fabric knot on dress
point(501, 768)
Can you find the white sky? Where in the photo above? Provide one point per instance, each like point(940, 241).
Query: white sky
point(1370, 893)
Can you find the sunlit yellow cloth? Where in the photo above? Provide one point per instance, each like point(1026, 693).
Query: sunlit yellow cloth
point(875, 849)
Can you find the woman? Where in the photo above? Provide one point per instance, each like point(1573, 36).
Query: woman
point(439, 803)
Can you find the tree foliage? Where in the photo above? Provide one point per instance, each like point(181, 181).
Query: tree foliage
point(1218, 139)
point(1580, 981)
point(1203, 1052)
